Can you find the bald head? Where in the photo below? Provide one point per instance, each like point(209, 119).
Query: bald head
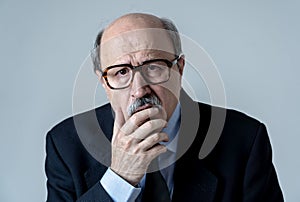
point(130, 22)
point(134, 32)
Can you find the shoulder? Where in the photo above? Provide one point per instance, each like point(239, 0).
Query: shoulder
point(237, 131)
point(66, 134)
point(68, 139)
point(68, 125)
point(232, 118)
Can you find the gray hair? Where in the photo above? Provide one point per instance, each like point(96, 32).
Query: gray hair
point(167, 25)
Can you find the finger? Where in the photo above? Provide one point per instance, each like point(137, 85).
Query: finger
point(153, 141)
point(161, 115)
point(148, 128)
point(118, 123)
point(137, 119)
point(156, 150)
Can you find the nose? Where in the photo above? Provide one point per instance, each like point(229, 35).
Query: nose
point(139, 86)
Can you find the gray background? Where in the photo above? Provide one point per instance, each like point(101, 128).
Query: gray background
point(254, 44)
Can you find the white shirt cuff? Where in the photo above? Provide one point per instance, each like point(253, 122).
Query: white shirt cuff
point(118, 188)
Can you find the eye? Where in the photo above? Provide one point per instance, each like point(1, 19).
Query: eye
point(122, 72)
point(154, 68)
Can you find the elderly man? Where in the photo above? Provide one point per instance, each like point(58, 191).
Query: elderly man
point(156, 131)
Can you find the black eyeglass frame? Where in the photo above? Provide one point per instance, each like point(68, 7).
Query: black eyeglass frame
point(169, 64)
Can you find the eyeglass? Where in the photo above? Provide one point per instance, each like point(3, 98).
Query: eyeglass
point(154, 71)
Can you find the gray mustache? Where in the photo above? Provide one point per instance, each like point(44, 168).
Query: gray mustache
point(152, 99)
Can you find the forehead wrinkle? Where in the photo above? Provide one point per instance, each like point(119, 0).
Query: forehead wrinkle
point(139, 57)
point(133, 41)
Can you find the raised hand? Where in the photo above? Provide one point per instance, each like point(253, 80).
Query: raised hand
point(135, 142)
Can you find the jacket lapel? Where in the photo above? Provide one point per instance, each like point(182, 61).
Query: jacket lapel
point(192, 180)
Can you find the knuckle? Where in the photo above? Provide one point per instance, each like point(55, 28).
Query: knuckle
point(149, 124)
point(134, 118)
point(155, 137)
point(164, 135)
point(127, 144)
point(136, 150)
point(122, 132)
point(162, 123)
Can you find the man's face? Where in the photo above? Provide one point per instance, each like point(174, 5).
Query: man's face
point(134, 48)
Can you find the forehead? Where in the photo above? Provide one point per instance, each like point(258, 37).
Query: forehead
point(151, 41)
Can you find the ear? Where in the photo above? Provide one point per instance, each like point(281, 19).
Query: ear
point(103, 83)
point(100, 78)
point(99, 75)
point(181, 64)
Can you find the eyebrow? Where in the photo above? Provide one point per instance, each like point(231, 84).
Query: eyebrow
point(129, 64)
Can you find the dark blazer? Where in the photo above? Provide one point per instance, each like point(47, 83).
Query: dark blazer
point(239, 168)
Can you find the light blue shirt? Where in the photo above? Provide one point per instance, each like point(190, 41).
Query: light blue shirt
point(120, 190)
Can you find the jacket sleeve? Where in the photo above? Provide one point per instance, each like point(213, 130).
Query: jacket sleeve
point(260, 182)
point(96, 193)
point(60, 183)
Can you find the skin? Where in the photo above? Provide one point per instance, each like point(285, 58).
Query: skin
point(136, 139)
